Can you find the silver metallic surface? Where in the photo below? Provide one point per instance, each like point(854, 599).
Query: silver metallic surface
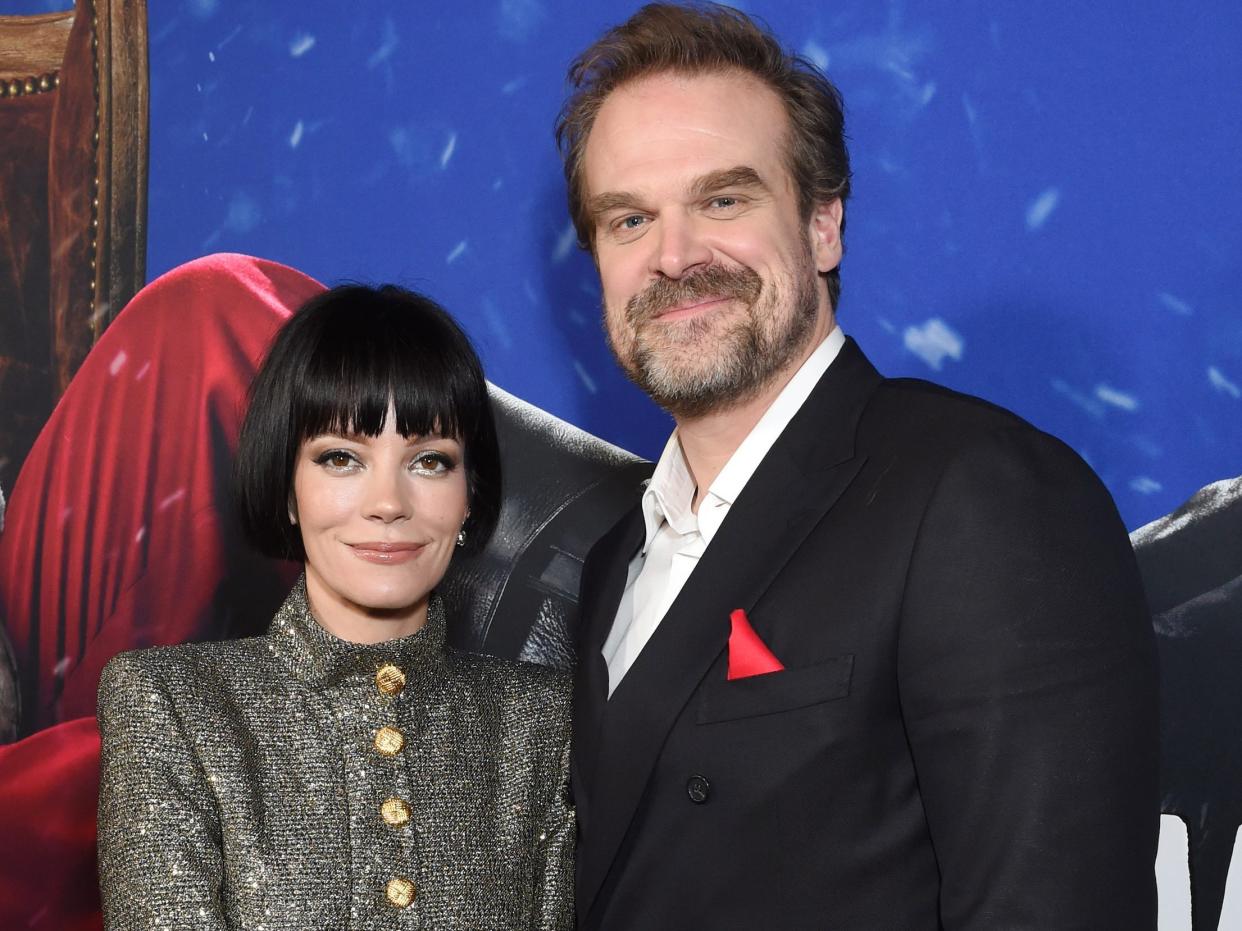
point(241, 786)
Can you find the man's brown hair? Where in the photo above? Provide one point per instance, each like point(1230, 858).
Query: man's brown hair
point(708, 38)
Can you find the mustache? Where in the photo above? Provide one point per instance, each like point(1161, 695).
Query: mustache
point(715, 281)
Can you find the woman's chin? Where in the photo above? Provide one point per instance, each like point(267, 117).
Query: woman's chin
point(389, 604)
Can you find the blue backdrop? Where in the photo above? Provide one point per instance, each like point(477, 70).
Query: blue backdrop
point(1045, 212)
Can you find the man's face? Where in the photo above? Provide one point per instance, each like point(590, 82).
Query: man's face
point(709, 274)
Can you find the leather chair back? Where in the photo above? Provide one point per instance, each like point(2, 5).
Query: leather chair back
point(73, 180)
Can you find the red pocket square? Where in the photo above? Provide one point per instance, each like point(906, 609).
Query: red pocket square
point(748, 655)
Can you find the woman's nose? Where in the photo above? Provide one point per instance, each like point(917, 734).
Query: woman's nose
point(388, 498)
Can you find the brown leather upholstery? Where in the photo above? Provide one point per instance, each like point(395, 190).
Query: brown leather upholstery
point(73, 178)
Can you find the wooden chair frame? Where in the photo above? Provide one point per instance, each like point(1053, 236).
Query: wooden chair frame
point(92, 62)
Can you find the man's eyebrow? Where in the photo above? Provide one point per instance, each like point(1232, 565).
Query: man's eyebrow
point(612, 200)
point(740, 176)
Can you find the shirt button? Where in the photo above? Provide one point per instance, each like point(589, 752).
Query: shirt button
point(389, 679)
point(388, 741)
point(400, 892)
point(698, 789)
point(395, 812)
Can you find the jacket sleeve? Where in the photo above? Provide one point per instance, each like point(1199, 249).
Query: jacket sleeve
point(556, 833)
point(1028, 689)
point(160, 864)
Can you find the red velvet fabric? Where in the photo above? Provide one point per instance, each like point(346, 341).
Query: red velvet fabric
point(48, 785)
point(119, 532)
point(118, 535)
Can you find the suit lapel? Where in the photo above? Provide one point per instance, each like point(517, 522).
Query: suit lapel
point(603, 581)
point(802, 476)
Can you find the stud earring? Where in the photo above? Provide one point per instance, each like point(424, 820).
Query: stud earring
point(461, 537)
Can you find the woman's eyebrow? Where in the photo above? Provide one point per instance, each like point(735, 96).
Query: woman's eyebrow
point(330, 435)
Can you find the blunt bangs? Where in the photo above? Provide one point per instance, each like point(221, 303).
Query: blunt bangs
point(368, 359)
point(338, 365)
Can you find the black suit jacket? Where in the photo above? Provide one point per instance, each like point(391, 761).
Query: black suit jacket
point(965, 732)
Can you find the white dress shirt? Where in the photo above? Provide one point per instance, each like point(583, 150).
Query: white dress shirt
point(676, 536)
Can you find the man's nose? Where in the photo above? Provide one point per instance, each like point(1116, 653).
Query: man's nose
point(680, 247)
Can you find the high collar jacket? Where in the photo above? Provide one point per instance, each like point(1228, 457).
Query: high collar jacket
point(298, 781)
point(964, 734)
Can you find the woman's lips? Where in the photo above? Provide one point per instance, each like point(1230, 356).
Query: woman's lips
point(386, 554)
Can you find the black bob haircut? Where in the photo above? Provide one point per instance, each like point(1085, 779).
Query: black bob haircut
point(335, 367)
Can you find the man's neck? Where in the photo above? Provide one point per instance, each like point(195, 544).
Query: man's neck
point(710, 440)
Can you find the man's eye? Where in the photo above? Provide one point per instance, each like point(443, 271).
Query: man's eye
point(631, 222)
point(724, 202)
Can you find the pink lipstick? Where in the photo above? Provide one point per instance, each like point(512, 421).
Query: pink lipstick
point(386, 554)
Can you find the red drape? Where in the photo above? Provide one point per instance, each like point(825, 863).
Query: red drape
point(118, 528)
point(119, 535)
point(48, 785)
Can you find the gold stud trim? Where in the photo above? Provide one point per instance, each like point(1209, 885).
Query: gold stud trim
point(34, 84)
point(97, 263)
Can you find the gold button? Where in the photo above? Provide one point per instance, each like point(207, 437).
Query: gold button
point(389, 679)
point(388, 741)
point(395, 812)
point(400, 892)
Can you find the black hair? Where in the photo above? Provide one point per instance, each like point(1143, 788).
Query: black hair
point(336, 366)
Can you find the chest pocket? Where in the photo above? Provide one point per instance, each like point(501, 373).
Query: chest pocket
point(774, 692)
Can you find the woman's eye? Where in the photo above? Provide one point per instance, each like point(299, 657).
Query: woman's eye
point(337, 459)
point(433, 462)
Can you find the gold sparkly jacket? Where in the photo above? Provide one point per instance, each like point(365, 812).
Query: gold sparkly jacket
point(298, 781)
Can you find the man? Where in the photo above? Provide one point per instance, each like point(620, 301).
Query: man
point(869, 653)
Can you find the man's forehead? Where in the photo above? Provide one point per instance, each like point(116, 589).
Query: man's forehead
point(681, 128)
point(667, 95)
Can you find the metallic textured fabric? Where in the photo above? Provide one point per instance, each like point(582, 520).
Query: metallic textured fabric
point(297, 781)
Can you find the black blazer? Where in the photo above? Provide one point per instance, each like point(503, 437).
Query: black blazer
point(965, 732)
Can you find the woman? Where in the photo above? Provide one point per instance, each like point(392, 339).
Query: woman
point(345, 770)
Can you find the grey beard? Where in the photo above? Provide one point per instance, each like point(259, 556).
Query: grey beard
point(745, 358)
point(733, 374)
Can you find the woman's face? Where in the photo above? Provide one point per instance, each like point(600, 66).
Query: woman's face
point(379, 518)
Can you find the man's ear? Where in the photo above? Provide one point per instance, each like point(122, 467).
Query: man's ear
point(825, 232)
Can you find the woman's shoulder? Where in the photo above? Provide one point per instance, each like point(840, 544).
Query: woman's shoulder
point(514, 682)
point(180, 669)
